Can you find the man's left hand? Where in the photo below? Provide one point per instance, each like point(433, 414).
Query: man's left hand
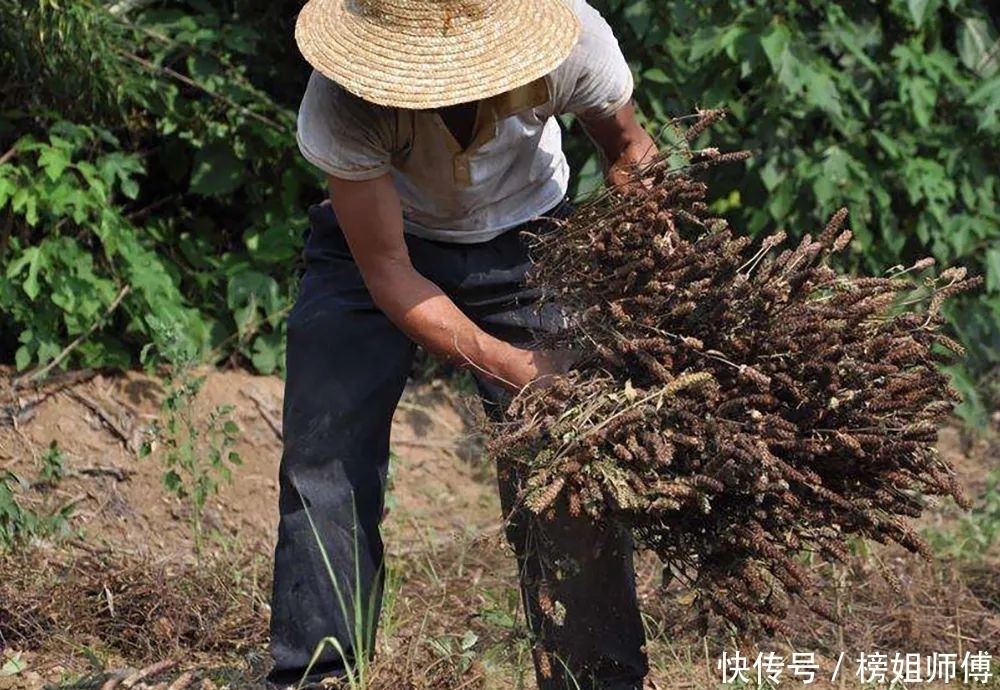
point(626, 147)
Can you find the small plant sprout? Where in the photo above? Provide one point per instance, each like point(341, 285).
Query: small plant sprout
point(196, 457)
point(20, 519)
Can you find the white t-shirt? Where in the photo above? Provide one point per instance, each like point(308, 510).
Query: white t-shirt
point(513, 171)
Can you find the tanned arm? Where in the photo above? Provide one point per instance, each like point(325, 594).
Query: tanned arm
point(623, 143)
point(371, 218)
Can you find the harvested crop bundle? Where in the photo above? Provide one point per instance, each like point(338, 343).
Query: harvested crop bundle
point(736, 404)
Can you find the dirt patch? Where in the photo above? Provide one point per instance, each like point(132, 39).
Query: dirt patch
point(119, 498)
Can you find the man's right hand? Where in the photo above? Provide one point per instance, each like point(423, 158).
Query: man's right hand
point(537, 368)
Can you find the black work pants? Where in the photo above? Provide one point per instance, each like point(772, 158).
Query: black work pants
point(347, 366)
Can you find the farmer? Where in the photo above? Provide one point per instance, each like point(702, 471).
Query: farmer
point(434, 121)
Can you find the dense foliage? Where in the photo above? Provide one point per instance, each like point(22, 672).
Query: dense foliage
point(148, 167)
point(149, 157)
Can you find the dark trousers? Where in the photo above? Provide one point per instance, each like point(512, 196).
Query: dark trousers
point(347, 365)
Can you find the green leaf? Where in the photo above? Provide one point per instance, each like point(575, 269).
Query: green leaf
point(971, 409)
point(782, 201)
point(217, 171)
point(251, 288)
point(206, 70)
point(267, 352)
point(979, 45)
point(638, 14)
point(854, 43)
point(922, 98)
point(54, 161)
point(22, 358)
point(656, 75)
point(173, 482)
point(589, 177)
point(771, 175)
point(792, 74)
point(13, 666)
point(888, 144)
point(498, 618)
point(774, 43)
point(7, 189)
point(130, 188)
point(993, 270)
point(986, 101)
point(469, 640)
point(704, 43)
point(30, 258)
point(921, 9)
point(273, 240)
point(822, 93)
point(20, 199)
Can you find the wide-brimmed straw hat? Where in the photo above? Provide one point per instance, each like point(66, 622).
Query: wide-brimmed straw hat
point(423, 54)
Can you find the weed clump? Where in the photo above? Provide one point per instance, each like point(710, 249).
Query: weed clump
point(141, 609)
point(736, 405)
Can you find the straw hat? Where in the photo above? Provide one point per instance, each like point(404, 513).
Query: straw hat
point(423, 54)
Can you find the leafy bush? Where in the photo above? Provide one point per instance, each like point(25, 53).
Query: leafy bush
point(183, 190)
point(74, 248)
point(889, 108)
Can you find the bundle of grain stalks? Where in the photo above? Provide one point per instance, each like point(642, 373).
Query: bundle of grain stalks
point(737, 404)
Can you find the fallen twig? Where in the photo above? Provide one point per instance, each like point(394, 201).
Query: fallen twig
point(56, 382)
point(89, 548)
point(23, 408)
point(151, 670)
point(19, 416)
point(106, 417)
point(121, 475)
point(265, 412)
point(183, 681)
point(8, 155)
point(114, 681)
point(429, 443)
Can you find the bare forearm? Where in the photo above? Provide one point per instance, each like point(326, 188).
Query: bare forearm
point(421, 310)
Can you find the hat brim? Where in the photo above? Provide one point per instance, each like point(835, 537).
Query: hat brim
point(416, 60)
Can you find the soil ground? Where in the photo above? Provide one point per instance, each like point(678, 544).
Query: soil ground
point(126, 592)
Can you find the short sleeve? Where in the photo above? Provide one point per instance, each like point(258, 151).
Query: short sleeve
point(595, 80)
point(335, 136)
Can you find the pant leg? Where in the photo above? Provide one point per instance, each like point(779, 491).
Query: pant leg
point(347, 365)
point(586, 568)
point(585, 571)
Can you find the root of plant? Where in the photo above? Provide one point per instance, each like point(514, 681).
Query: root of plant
point(739, 405)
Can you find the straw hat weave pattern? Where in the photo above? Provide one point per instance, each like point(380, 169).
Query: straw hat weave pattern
point(423, 54)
